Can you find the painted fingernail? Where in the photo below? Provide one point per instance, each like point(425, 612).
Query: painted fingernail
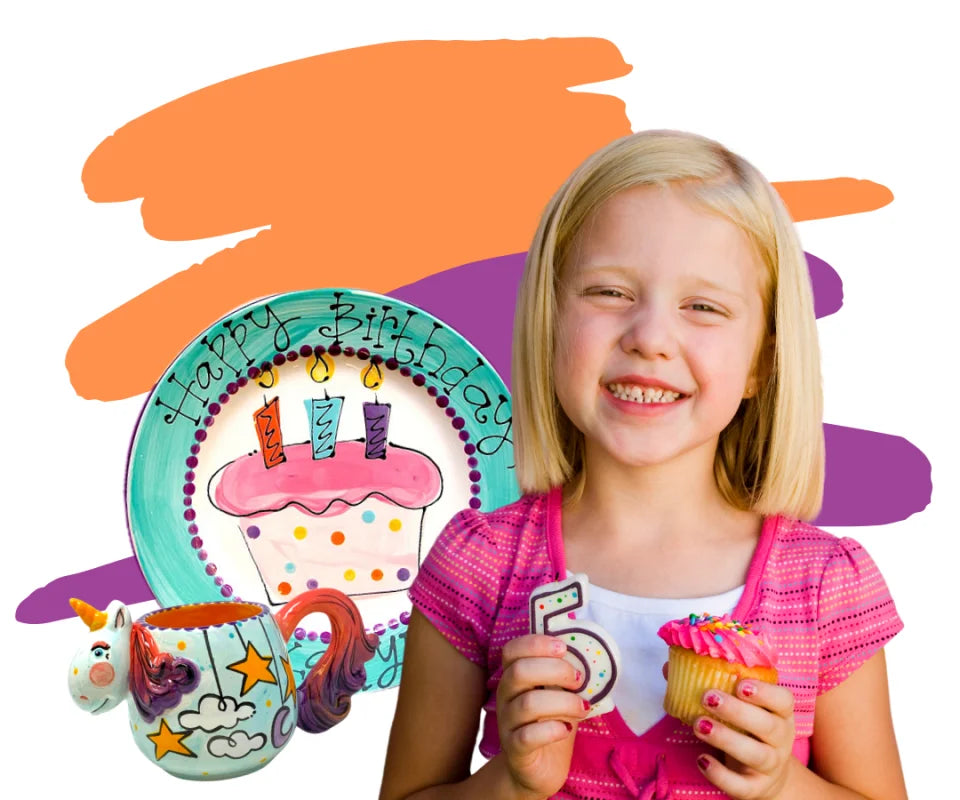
point(569, 726)
point(578, 677)
point(704, 726)
point(586, 705)
point(748, 689)
point(558, 647)
point(712, 700)
point(703, 762)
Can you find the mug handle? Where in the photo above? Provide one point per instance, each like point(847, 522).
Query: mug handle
point(323, 699)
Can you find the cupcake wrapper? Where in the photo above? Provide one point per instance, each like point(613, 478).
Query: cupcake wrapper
point(690, 675)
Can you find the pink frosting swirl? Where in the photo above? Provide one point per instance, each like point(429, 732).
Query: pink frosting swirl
point(405, 478)
point(719, 637)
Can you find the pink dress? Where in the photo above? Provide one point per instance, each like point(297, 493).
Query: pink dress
point(820, 601)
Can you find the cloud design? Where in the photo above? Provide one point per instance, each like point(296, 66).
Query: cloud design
point(236, 745)
point(215, 712)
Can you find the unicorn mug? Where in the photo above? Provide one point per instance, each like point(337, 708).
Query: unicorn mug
point(209, 687)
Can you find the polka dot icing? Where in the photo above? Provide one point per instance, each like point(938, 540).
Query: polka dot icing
point(368, 516)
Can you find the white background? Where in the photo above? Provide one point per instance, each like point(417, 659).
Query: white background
point(804, 93)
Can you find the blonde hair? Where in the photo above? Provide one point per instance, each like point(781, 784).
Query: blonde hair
point(770, 457)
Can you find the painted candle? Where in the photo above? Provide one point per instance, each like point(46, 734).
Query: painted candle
point(376, 418)
point(267, 420)
point(324, 421)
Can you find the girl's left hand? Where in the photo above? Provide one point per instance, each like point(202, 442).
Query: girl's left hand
point(757, 765)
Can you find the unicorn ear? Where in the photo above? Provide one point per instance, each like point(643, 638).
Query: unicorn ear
point(118, 615)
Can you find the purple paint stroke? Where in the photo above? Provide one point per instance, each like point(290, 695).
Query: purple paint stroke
point(476, 300)
point(872, 478)
point(121, 580)
point(827, 287)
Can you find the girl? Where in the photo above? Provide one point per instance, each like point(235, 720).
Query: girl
point(668, 441)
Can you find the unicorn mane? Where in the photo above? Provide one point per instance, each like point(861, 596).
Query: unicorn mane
point(157, 680)
point(323, 699)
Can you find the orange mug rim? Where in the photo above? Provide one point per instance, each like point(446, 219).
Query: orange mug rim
point(212, 614)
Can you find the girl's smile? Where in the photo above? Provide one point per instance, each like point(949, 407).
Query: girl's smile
point(658, 328)
point(633, 398)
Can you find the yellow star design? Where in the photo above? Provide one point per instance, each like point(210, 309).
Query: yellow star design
point(168, 741)
point(254, 668)
point(291, 683)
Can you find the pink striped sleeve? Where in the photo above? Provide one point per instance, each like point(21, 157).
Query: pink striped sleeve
point(458, 585)
point(856, 615)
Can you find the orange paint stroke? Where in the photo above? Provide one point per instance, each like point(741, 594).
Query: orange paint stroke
point(373, 167)
point(833, 197)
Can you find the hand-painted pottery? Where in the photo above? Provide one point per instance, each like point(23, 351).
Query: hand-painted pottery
point(209, 686)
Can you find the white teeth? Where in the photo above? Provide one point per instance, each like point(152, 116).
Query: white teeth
point(642, 394)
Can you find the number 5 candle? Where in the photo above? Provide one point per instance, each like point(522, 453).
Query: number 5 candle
point(590, 648)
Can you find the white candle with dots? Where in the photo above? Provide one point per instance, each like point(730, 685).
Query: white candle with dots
point(590, 648)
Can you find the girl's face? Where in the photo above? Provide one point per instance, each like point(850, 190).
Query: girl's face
point(659, 324)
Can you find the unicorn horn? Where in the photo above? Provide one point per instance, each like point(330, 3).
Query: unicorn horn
point(95, 619)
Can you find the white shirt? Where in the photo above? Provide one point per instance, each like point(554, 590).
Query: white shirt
point(633, 623)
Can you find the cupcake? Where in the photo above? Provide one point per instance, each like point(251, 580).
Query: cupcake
point(709, 652)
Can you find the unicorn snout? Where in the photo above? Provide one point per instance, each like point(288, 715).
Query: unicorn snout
point(102, 674)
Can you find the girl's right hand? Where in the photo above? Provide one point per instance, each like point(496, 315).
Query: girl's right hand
point(537, 725)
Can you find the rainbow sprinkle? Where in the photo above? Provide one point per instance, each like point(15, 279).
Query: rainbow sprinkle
point(715, 625)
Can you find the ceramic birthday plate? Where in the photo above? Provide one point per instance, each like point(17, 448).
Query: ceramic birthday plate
point(315, 439)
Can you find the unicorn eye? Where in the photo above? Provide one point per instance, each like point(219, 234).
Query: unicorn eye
point(100, 650)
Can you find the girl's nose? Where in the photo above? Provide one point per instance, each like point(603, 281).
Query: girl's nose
point(650, 333)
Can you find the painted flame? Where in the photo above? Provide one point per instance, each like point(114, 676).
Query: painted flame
point(321, 368)
point(269, 378)
point(372, 376)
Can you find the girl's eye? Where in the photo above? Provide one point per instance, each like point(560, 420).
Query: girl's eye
point(606, 292)
point(704, 307)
